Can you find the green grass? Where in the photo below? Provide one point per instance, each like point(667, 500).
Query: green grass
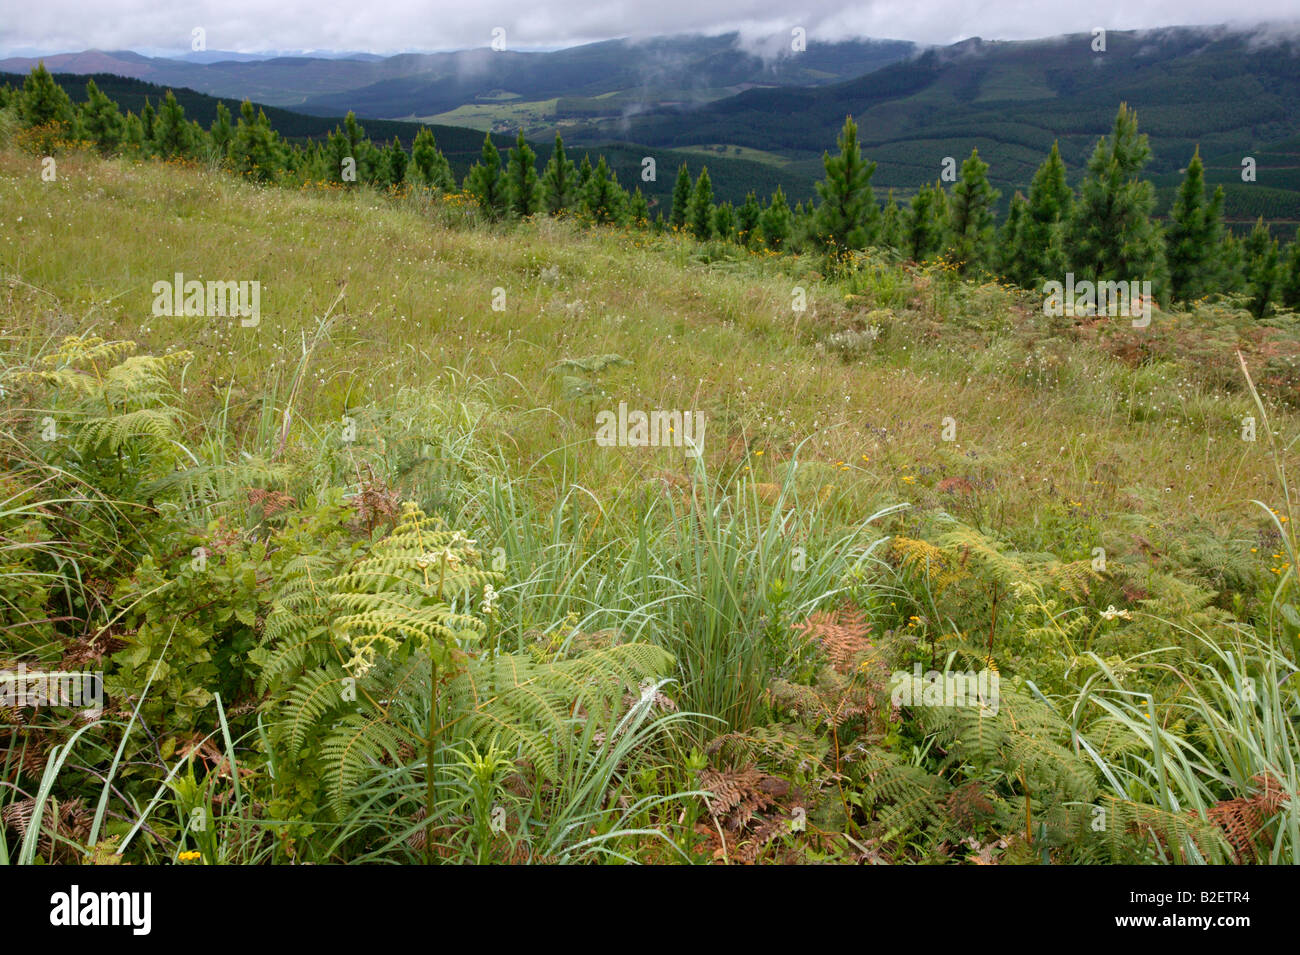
point(1068, 438)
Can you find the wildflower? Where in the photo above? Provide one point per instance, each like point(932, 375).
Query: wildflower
point(489, 595)
point(188, 856)
point(1110, 613)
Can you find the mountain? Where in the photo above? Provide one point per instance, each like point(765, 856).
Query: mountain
point(732, 175)
point(758, 120)
point(1228, 92)
point(610, 78)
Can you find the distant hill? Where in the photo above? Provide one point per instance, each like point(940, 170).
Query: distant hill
point(643, 74)
point(732, 177)
point(761, 121)
point(1225, 91)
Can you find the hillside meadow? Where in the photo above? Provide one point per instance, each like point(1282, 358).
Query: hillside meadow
point(373, 532)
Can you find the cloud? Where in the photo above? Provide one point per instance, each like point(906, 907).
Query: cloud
point(405, 25)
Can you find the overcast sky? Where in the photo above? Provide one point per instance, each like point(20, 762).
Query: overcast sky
point(52, 26)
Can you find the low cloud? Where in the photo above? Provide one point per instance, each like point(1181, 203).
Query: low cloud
point(405, 25)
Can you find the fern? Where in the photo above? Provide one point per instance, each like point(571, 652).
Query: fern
point(369, 662)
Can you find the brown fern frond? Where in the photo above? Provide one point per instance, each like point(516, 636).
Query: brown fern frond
point(841, 633)
point(1243, 819)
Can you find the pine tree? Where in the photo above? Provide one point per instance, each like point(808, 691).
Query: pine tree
point(925, 224)
point(970, 241)
point(149, 121)
point(431, 166)
point(724, 221)
point(309, 163)
point(681, 199)
point(133, 133)
point(1288, 292)
point(1231, 272)
point(848, 216)
point(338, 153)
point(776, 221)
point(639, 209)
point(172, 134)
point(521, 177)
point(602, 199)
point(350, 144)
point(395, 162)
point(1193, 235)
point(1261, 254)
point(701, 210)
point(747, 220)
point(1042, 244)
point(255, 150)
point(1010, 250)
point(1111, 236)
point(101, 120)
point(222, 132)
point(891, 225)
point(486, 182)
point(43, 100)
point(584, 173)
point(559, 181)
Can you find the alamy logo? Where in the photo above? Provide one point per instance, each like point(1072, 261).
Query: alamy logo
point(979, 690)
point(1128, 299)
point(74, 908)
point(657, 429)
point(194, 298)
point(79, 690)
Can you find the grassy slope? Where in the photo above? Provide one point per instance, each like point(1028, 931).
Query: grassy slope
point(1072, 425)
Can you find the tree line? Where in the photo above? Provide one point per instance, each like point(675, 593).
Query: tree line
point(1104, 231)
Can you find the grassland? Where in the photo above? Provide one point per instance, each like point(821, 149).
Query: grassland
point(900, 404)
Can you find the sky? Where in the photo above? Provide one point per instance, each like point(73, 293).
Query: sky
point(54, 26)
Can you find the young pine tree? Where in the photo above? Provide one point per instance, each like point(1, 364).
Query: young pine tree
point(430, 165)
point(777, 222)
point(970, 241)
point(639, 209)
point(255, 150)
point(221, 131)
point(1193, 235)
point(133, 133)
point(724, 221)
point(172, 137)
point(149, 122)
point(101, 120)
point(1261, 256)
point(1111, 236)
point(352, 152)
point(891, 225)
point(681, 199)
point(1232, 263)
point(1288, 292)
point(395, 161)
point(747, 219)
point(1010, 249)
point(521, 176)
point(1042, 244)
point(848, 216)
point(701, 211)
point(42, 100)
point(603, 198)
point(486, 182)
point(559, 181)
point(925, 225)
